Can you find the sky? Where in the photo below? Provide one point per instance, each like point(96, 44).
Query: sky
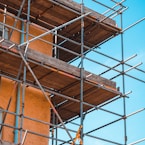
point(134, 43)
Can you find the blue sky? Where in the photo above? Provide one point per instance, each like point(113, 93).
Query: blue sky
point(134, 43)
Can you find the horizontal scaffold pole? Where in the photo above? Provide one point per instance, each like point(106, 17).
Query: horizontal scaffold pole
point(43, 91)
point(55, 29)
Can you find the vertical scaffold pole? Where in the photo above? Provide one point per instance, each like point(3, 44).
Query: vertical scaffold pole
point(55, 47)
point(56, 132)
point(53, 120)
point(24, 74)
point(82, 70)
point(4, 21)
point(23, 101)
point(123, 81)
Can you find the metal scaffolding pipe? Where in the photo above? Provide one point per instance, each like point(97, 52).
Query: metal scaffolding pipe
point(32, 132)
point(118, 3)
point(103, 54)
point(79, 13)
point(24, 137)
point(138, 141)
point(67, 97)
point(123, 73)
point(60, 47)
point(23, 103)
point(133, 24)
point(11, 15)
point(103, 139)
point(123, 80)
point(76, 100)
point(82, 73)
point(43, 91)
point(102, 64)
point(111, 68)
point(29, 118)
point(18, 15)
point(69, 129)
point(6, 25)
point(113, 14)
point(140, 80)
point(119, 12)
point(99, 138)
point(138, 111)
point(104, 5)
point(123, 117)
point(131, 57)
point(54, 29)
point(133, 67)
point(17, 112)
point(4, 21)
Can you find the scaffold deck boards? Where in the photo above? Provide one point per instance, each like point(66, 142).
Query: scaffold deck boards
point(59, 76)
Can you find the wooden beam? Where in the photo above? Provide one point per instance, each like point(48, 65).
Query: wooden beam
point(67, 68)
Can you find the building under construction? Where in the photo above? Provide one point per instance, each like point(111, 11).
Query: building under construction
point(46, 92)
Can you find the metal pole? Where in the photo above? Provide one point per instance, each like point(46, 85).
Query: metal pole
point(73, 99)
point(133, 24)
point(56, 28)
point(82, 72)
point(140, 80)
point(27, 27)
point(34, 133)
point(123, 81)
point(102, 139)
point(118, 3)
point(56, 132)
point(102, 64)
point(104, 5)
point(138, 111)
point(18, 92)
point(120, 62)
point(24, 137)
point(19, 12)
point(133, 67)
point(17, 112)
point(23, 101)
point(5, 115)
point(4, 21)
point(114, 13)
point(55, 47)
point(11, 15)
point(138, 141)
point(37, 81)
point(24, 76)
point(113, 16)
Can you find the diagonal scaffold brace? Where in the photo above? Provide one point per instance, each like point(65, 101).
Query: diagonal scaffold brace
point(43, 91)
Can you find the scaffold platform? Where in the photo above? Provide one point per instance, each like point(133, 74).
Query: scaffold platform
point(57, 76)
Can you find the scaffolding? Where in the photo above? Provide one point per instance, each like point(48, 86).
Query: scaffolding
point(74, 127)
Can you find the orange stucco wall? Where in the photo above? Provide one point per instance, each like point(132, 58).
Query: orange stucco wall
point(35, 106)
point(34, 30)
